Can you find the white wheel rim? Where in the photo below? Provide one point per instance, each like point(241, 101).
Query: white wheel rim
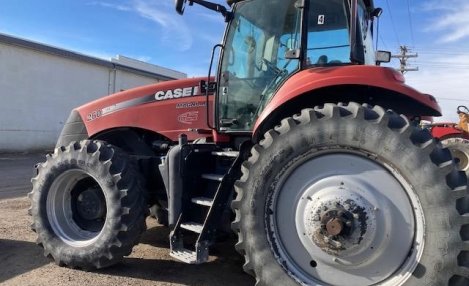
point(61, 213)
point(386, 241)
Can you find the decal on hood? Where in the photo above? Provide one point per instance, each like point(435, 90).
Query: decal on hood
point(188, 117)
point(157, 97)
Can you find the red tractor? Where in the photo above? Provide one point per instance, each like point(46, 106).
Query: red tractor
point(315, 147)
point(455, 137)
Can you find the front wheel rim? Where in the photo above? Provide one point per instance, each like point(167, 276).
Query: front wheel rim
point(76, 208)
point(355, 221)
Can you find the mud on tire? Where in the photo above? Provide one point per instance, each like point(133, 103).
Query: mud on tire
point(378, 149)
point(87, 205)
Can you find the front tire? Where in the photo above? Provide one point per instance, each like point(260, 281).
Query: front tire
point(352, 195)
point(87, 205)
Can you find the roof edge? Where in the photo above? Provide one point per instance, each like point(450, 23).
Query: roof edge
point(48, 49)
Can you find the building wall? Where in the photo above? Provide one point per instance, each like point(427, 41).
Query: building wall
point(38, 90)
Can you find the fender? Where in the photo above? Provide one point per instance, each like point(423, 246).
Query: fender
point(168, 108)
point(305, 82)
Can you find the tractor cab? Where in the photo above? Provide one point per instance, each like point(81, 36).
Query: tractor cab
point(267, 41)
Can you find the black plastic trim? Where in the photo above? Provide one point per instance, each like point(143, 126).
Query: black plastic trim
point(74, 130)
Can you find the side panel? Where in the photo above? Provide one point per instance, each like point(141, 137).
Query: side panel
point(168, 108)
point(318, 78)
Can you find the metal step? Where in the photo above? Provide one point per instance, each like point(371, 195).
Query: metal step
point(231, 154)
point(203, 201)
point(213, 177)
point(185, 255)
point(192, 226)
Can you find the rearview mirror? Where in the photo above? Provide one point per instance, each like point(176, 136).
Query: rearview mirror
point(383, 57)
point(376, 12)
point(180, 4)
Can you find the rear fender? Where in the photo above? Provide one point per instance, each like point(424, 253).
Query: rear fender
point(363, 84)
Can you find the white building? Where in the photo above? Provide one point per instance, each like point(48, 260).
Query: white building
point(41, 84)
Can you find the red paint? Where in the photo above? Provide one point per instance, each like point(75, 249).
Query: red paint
point(159, 116)
point(165, 118)
point(446, 130)
point(317, 78)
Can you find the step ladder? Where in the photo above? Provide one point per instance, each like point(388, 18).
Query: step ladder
point(196, 250)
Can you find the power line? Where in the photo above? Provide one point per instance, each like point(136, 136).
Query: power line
point(448, 64)
point(452, 99)
point(410, 23)
point(444, 53)
point(424, 67)
point(384, 43)
point(392, 22)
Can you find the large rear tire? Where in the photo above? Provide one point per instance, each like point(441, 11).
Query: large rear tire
point(352, 195)
point(459, 148)
point(87, 205)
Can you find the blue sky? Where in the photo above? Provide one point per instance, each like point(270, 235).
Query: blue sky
point(151, 31)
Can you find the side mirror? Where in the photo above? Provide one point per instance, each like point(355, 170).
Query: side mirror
point(383, 57)
point(376, 12)
point(180, 5)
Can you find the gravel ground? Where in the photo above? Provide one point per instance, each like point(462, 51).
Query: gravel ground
point(22, 262)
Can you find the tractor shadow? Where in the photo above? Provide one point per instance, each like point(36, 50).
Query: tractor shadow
point(156, 235)
point(19, 257)
point(224, 267)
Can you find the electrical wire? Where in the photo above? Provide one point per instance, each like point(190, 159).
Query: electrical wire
point(452, 99)
point(384, 43)
point(445, 53)
point(392, 22)
point(411, 23)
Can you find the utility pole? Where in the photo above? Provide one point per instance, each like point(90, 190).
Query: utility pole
point(403, 57)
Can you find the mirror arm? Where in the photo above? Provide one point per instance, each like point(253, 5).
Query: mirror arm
point(214, 7)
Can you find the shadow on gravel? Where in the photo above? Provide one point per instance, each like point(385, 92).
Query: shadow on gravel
point(225, 270)
point(157, 236)
point(13, 262)
point(218, 272)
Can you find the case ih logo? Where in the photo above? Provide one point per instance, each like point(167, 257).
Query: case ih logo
point(176, 93)
point(188, 117)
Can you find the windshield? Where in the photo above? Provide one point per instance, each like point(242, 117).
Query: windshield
point(255, 62)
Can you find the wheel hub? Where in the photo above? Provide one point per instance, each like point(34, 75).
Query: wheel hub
point(339, 222)
point(335, 224)
point(90, 204)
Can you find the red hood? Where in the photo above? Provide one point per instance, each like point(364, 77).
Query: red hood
point(169, 108)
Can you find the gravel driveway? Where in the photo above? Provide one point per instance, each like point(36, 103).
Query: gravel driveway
point(22, 262)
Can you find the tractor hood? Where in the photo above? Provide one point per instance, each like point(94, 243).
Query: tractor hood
point(168, 108)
